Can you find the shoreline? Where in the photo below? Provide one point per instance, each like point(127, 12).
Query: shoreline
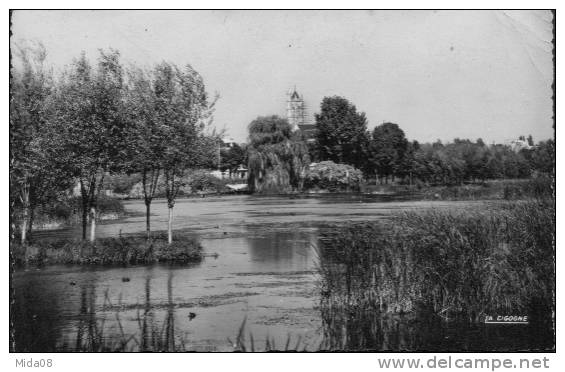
point(507, 189)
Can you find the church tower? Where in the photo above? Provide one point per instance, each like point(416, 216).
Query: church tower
point(295, 109)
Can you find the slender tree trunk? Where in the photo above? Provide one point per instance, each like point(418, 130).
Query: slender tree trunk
point(31, 218)
point(170, 230)
point(148, 218)
point(24, 225)
point(84, 200)
point(84, 220)
point(92, 224)
point(25, 217)
point(94, 196)
point(148, 193)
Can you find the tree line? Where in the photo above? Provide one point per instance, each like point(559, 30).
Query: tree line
point(278, 158)
point(385, 153)
point(90, 121)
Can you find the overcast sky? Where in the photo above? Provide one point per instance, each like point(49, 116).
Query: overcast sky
point(438, 74)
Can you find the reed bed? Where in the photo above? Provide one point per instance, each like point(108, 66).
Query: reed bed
point(457, 265)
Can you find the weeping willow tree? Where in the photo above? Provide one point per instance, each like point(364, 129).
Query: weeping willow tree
point(277, 157)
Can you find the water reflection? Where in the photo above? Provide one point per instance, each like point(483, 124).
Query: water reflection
point(106, 328)
point(34, 328)
point(264, 272)
point(88, 335)
point(170, 320)
point(262, 276)
point(147, 316)
point(373, 331)
point(283, 249)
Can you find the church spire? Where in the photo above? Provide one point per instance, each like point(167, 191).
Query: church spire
point(295, 109)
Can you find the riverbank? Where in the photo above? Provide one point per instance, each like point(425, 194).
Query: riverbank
point(123, 250)
point(117, 209)
point(505, 189)
point(65, 212)
point(508, 189)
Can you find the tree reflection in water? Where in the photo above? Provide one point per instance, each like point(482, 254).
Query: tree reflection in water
point(34, 314)
point(92, 334)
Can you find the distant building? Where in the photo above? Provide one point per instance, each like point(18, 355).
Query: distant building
point(240, 174)
point(295, 109)
point(106, 190)
point(297, 116)
point(517, 145)
point(228, 143)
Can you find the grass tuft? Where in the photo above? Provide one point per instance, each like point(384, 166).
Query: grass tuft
point(134, 249)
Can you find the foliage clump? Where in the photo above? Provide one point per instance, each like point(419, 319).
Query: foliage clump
point(330, 176)
point(277, 158)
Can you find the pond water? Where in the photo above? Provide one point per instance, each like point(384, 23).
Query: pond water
point(263, 277)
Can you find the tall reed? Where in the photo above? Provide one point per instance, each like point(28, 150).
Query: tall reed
point(460, 265)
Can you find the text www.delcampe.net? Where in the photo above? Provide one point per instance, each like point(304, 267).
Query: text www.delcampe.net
point(462, 362)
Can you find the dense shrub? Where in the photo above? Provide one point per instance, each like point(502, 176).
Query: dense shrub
point(200, 180)
point(482, 191)
point(539, 187)
point(193, 182)
point(109, 205)
point(328, 175)
point(121, 183)
point(66, 210)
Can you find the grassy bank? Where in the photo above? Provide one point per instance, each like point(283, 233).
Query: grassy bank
point(131, 249)
point(535, 187)
point(452, 265)
point(67, 212)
